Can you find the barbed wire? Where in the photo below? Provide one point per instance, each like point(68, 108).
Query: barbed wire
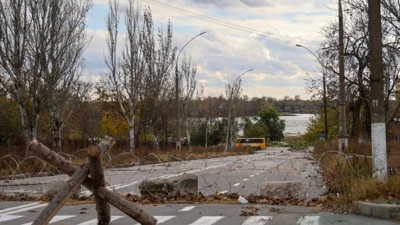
point(217, 173)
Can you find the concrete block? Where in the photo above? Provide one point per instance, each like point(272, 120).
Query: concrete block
point(283, 190)
point(172, 187)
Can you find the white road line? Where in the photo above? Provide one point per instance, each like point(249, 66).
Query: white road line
point(5, 218)
point(23, 209)
point(55, 219)
point(18, 207)
point(245, 179)
point(207, 220)
point(187, 208)
point(257, 173)
point(162, 219)
point(95, 221)
point(119, 186)
point(251, 175)
point(237, 184)
point(223, 192)
point(308, 220)
point(257, 220)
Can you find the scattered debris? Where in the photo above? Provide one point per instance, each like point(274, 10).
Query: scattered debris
point(278, 210)
point(242, 200)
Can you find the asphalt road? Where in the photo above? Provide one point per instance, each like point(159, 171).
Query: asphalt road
point(25, 213)
point(234, 174)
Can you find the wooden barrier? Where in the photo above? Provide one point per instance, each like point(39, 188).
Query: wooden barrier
point(96, 184)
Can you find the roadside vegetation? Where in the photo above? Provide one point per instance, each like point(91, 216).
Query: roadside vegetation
point(349, 177)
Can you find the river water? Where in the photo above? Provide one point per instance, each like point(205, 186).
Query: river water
point(295, 125)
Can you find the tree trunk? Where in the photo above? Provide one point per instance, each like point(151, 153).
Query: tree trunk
point(132, 136)
point(206, 141)
point(155, 139)
point(228, 129)
point(29, 125)
point(232, 130)
point(188, 134)
point(367, 120)
point(57, 135)
point(356, 117)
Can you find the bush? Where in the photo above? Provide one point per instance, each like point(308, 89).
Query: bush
point(269, 117)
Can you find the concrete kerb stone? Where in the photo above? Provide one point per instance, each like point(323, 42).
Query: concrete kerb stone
point(173, 187)
point(282, 190)
point(382, 211)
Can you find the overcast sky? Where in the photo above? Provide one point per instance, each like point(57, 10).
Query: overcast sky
point(224, 52)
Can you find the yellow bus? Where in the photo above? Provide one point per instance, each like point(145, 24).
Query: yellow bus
point(258, 143)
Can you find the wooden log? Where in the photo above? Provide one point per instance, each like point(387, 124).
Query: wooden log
point(62, 196)
point(127, 207)
point(74, 182)
point(97, 175)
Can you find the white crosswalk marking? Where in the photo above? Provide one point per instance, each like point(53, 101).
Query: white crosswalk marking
point(23, 209)
point(162, 219)
point(257, 220)
point(5, 218)
point(55, 219)
point(308, 220)
point(237, 184)
point(187, 208)
point(18, 207)
point(207, 220)
point(95, 221)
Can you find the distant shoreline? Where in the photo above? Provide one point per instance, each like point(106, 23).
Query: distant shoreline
point(286, 114)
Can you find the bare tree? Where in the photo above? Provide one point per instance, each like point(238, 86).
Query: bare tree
point(15, 76)
point(159, 57)
point(232, 91)
point(125, 78)
point(60, 38)
point(188, 72)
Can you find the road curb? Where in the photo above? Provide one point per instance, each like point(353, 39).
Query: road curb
point(382, 211)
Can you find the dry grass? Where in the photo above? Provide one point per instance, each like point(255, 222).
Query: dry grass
point(351, 178)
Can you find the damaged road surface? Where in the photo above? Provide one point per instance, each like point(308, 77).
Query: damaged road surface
point(245, 175)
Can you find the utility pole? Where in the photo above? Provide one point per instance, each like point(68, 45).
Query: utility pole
point(177, 105)
point(343, 138)
point(378, 123)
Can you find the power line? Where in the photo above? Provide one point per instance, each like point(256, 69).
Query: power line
point(216, 21)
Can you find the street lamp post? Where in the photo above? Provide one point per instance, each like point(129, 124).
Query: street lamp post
point(230, 109)
point(178, 124)
point(324, 91)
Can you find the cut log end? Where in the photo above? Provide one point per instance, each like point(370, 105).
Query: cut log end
point(34, 142)
point(93, 151)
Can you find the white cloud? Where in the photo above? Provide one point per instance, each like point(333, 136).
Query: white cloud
point(223, 53)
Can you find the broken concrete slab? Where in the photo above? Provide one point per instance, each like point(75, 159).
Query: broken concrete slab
point(173, 187)
point(282, 190)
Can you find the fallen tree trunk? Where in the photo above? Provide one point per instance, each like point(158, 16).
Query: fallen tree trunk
point(129, 208)
point(97, 175)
